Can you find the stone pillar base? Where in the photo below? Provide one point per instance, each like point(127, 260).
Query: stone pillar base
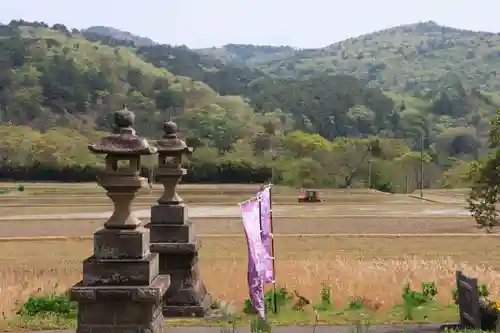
point(121, 291)
point(178, 247)
point(120, 309)
point(200, 311)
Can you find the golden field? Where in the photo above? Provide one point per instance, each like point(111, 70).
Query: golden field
point(362, 243)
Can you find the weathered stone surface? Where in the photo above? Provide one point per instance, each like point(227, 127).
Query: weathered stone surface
point(120, 317)
point(177, 261)
point(121, 309)
point(121, 243)
point(80, 294)
point(182, 279)
point(152, 293)
point(171, 233)
point(129, 272)
point(169, 214)
point(122, 189)
point(186, 295)
point(176, 248)
point(191, 295)
point(200, 310)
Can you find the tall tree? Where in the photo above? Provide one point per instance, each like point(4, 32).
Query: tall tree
point(485, 192)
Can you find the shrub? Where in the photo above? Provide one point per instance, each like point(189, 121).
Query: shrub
point(413, 299)
point(49, 304)
point(417, 298)
point(4, 190)
point(260, 326)
point(358, 303)
point(20, 188)
point(326, 300)
point(283, 298)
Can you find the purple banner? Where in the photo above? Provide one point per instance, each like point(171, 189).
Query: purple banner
point(265, 223)
point(256, 254)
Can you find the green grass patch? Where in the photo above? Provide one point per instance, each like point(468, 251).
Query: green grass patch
point(56, 311)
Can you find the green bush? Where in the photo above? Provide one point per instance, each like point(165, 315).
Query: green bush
point(358, 303)
point(417, 298)
point(413, 299)
point(49, 304)
point(326, 300)
point(283, 298)
point(260, 326)
point(20, 188)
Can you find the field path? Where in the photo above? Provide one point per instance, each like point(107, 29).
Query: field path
point(398, 328)
point(193, 211)
point(277, 236)
point(197, 211)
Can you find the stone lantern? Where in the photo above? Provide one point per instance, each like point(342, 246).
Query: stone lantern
point(169, 172)
point(121, 178)
point(121, 290)
point(173, 236)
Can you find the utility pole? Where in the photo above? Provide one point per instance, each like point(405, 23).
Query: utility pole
point(422, 166)
point(370, 167)
point(273, 158)
point(406, 184)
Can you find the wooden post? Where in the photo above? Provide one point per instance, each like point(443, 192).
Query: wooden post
point(468, 301)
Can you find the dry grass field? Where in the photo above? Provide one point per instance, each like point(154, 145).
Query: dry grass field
point(362, 243)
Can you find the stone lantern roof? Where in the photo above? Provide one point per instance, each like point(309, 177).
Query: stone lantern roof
point(123, 141)
point(170, 141)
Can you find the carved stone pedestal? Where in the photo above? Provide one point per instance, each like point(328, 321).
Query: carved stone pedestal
point(173, 238)
point(120, 309)
point(121, 291)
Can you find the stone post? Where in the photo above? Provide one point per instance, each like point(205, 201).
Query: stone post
point(173, 236)
point(121, 290)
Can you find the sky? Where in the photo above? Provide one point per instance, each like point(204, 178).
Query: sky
point(298, 23)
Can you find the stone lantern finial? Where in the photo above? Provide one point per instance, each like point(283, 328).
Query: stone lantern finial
point(124, 120)
point(170, 129)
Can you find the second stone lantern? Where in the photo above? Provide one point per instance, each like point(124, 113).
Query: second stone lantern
point(173, 236)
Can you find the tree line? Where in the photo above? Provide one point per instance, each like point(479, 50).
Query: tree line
point(294, 158)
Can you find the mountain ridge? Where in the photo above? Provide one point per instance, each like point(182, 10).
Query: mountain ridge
point(119, 34)
point(406, 57)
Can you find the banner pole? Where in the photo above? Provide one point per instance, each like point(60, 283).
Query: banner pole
point(248, 200)
point(275, 301)
point(260, 214)
point(259, 198)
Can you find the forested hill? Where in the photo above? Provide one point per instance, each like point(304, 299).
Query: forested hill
point(244, 122)
point(312, 100)
point(55, 77)
point(404, 58)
